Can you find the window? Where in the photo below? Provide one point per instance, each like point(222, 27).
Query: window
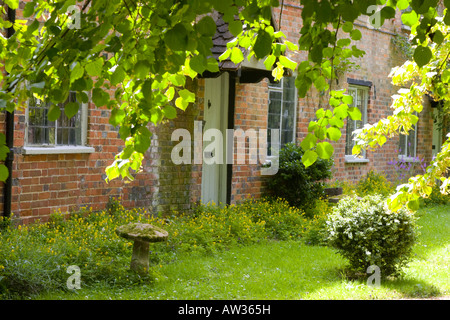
point(61, 136)
point(407, 145)
point(282, 110)
point(360, 96)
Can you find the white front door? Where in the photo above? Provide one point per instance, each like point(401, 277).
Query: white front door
point(214, 168)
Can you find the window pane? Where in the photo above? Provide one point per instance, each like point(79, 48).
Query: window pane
point(69, 129)
point(411, 144)
point(281, 113)
point(275, 102)
point(402, 145)
point(360, 97)
point(64, 131)
point(349, 136)
point(40, 129)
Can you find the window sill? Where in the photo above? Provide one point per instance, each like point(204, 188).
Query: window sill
point(58, 150)
point(352, 159)
point(408, 159)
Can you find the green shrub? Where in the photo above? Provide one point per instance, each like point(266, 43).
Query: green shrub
point(298, 185)
point(366, 233)
point(436, 197)
point(315, 232)
point(374, 183)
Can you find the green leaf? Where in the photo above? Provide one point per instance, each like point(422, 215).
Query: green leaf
point(316, 53)
point(347, 99)
point(56, 95)
point(263, 44)
point(422, 55)
point(356, 35)
point(402, 4)
point(321, 83)
point(99, 97)
point(325, 150)
point(347, 26)
point(71, 109)
point(177, 38)
point(198, 63)
point(212, 65)
point(308, 142)
point(13, 4)
point(414, 204)
point(354, 113)
point(117, 76)
point(309, 157)
point(28, 10)
point(117, 116)
point(341, 111)
point(142, 69)
point(320, 113)
point(270, 60)
point(349, 12)
point(184, 99)
point(333, 133)
point(437, 37)
point(4, 173)
point(235, 27)
point(94, 68)
point(410, 18)
point(288, 63)
point(381, 139)
point(77, 72)
point(142, 140)
point(206, 26)
point(54, 112)
point(236, 55)
point(343, 42)
point(169, 112)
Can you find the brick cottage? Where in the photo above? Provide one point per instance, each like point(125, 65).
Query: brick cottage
point(61, 165)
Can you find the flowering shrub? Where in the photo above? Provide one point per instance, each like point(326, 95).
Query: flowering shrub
point(366, 233)
point(374, 183)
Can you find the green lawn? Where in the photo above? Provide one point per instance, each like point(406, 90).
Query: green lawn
point(290, 270)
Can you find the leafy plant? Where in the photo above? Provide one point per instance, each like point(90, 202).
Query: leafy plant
point(367, 233)
point(374, 183)
point(298, 185)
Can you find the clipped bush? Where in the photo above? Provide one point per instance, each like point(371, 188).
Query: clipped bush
point(367, 233)
point(374, 183)
point(298, 185)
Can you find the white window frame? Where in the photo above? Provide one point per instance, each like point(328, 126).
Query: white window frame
point(60, 149)
point(349, 158)
point(281, 89)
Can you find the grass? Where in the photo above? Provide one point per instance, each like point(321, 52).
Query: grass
point(287, 270)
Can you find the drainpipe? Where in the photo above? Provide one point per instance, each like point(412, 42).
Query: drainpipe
point(9, 133)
